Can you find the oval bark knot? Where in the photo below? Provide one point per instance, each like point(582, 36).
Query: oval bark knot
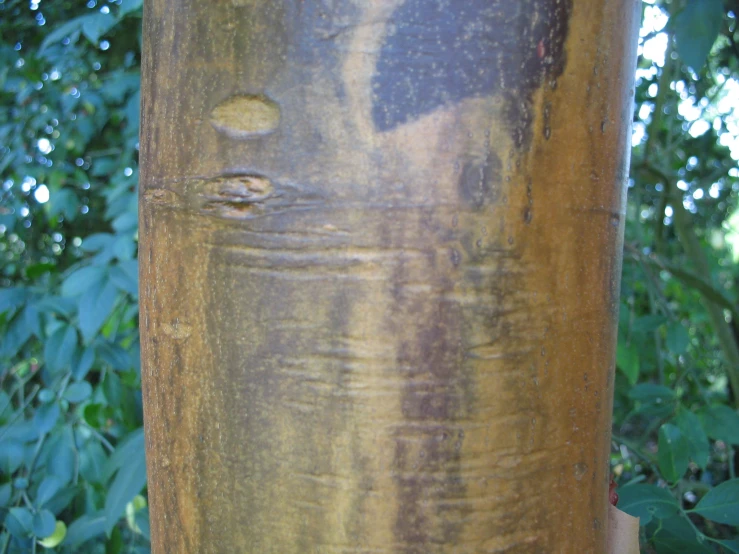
point(246, 116)
point(235, 197)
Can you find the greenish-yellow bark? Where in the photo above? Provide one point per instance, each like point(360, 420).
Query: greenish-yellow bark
point(380, 257)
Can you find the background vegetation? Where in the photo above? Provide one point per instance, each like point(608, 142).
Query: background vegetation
point(71, 446)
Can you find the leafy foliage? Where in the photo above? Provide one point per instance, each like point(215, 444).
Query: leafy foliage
point(677, 384)
point(71, 444)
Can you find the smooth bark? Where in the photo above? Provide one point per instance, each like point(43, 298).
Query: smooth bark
point(380, 260)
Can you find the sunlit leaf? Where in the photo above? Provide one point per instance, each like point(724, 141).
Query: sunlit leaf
point(56, 538)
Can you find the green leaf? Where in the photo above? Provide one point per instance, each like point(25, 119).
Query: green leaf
point(114, 355)
point(34, 271)
point(84, 364)
point(721, 423)
point(62, 499)
point(60, 347)
point(78, 392)
point(83, 280)
point(112, 389)
point(19, 522)
point(85, 528)
point(96, 25)
point(141, 521)
point(627, 360)
point(731, 546)
point(646, 502)
point(11, 456)
point(124, 247)
point(56, 304)
point(11, 298)
point(98, 241)
point(6, 493)
point(678, 339)
point(673, 454)
point(31, 319)
point(92, 463)
point(95, 307)
point(44, 524)
point(46, 417)
point(97, 414)
point(47, 489)
point(691, 428)
point(128, 482)
point(721, 504)
point(45, 396)
point(16, 336)
point(63, 202)
point(651, 393)
point(669, 545)
point(122, 280)
point(648, 323)
point(128, 6)
point(68, 29)
point(127, 449)
point(654, 400)
point(696, 29)
point(126, 221)
point(62, 463)
point(131, 113)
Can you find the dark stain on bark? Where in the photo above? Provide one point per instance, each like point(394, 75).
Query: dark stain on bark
point(436, 396)
point(439, 52)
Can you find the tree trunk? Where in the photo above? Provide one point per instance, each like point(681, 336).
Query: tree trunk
point(380, 261)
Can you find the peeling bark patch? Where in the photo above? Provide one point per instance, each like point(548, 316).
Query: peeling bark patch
point(435, 55)
point(246, 116)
